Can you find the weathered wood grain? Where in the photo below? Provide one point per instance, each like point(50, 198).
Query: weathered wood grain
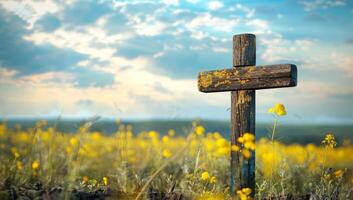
point(245, 78)
point(244, 50)
point(242, 115)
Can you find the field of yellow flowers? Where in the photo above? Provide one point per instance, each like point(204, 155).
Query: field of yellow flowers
point(42, 163)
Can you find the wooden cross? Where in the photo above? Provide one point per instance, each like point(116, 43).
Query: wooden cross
point(242, 80)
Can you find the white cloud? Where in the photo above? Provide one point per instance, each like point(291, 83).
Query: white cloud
point(90, 40)
point(249, 12)
point(344, 62)
point(47, 79)
point(159, 54)
point(221, 50)
point(7, 73)
point(260, 26)
point(206, 20)
point(192, 1)
point(150, 26)
point(29, 10)
point(322, 4)
point(215, 5)
point(171, 2)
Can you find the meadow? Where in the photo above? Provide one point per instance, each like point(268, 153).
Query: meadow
point(43, 162)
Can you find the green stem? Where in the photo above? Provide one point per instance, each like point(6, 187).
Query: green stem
point(274, 130)
point(273, 147)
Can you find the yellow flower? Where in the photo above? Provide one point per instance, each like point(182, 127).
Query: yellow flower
point(166, 153)
point(35, 165)
point(223, 151)
point(15, 152)
point(105, 180)
point(235, 148)
point(19, 165)
point(23, 137)
point(246, 191)
point(338, 173)
point(249, 145)
point(213, 179)
point(211, 196)
point(240, 139)
point(153, 134)
point(329, 140)
point(205, 176)
point(278, 109)
point(222, 142)
point(246, 153)
point(216, 135)
point(68, 150)
point(199, 130)
point(165, 139)
point(171, 132)
point(2, 129)
point(248, 137)
point(85, 179)
point(244, 194)
point(73, 141)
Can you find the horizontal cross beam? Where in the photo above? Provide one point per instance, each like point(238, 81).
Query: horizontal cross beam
point(248, 78)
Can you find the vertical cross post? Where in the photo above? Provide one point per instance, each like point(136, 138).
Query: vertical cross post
point(242, 171)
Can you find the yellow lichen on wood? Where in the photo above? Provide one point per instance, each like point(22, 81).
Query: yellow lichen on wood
point(243, 98)
point(251, 68)
point(224, 82)
point(244, 81)
point(205, 80)
point(221, 74)
point(236, 73)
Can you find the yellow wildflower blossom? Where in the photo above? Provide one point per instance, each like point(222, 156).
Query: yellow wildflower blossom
point(105, 180)
point(246, 191)
point(249, 145)
point(338, 173)
point(171, 132)
point(153, 134)
point(68, 150)
point(165, 139)
point(73, 141)
point(329, 140)
point(205, 176)
point(166, 153)
point(199, 130)
point(235, 148)
point(2, 130)
point(213, 179)
point(211, 196)
point(85, 179)
point(222, 142)
point(248, 137)
point(278, 109)
point(15, 152)
point(19, 165)
point(216, 135)
point(35, 165)
point(244, 194)
point(246, 153)
point(223, 151)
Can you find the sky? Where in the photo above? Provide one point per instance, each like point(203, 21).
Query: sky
point(140, 59)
